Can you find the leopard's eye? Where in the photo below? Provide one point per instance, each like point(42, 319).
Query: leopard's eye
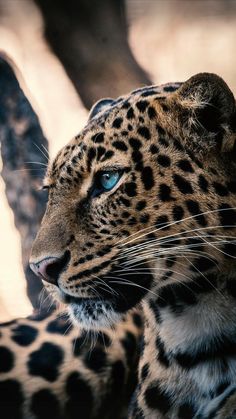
point(109, 179)
point(105, 181)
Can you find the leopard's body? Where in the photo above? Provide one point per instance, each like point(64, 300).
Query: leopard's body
point(50, 368)
point(142, 209)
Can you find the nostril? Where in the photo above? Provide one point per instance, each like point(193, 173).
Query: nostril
point(51, 267)
point(55, 268)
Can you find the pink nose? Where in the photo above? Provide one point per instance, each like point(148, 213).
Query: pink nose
point(50, 268)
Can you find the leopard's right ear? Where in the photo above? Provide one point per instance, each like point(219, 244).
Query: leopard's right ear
point(206, 112)
point(100, 106)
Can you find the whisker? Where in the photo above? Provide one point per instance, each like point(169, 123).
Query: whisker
point(142, 260)
point(128, 282)
point(164, 240)
point(36, 162)
point(41, 151)
point(137, 285)
point(95, 292)
point(163, 252)
point(172, 236)
point(104, 343)
point(27, 170)
point(105, 284)
point(42, 298)
point(220, 250)
point(73, 346)
point(46, 150)
point(68, 328)
point(157, 252)
point(204, 276)
point(165, 225)
point(145, 270)
point(105, 289)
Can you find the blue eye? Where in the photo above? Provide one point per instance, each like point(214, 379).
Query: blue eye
point(109, 179)
point(105, 181)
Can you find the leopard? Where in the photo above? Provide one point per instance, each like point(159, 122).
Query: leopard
point(142, 210)
point(50, 368)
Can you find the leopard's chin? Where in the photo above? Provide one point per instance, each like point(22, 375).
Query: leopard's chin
point(88, 312)
point(93, 313)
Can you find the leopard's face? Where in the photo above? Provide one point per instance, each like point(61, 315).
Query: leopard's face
point(124, 191)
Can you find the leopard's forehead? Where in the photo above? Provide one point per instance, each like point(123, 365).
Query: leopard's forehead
point(110, 133)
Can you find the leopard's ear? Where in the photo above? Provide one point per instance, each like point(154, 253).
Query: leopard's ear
point(206, 109)
point(100, 106)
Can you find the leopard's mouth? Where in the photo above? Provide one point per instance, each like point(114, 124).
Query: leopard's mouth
point(112, 300)
point(69, 299)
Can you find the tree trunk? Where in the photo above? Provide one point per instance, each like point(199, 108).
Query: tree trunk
point(90, 39)
point(21, 138)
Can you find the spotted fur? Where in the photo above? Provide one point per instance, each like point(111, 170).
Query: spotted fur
point(50, 368)
point(163, 236)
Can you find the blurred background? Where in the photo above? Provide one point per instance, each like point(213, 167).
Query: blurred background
point(56, 60)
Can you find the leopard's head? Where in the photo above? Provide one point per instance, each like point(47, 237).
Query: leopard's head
point(136, 197)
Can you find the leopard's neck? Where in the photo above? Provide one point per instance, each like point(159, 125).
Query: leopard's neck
point(189, 351)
